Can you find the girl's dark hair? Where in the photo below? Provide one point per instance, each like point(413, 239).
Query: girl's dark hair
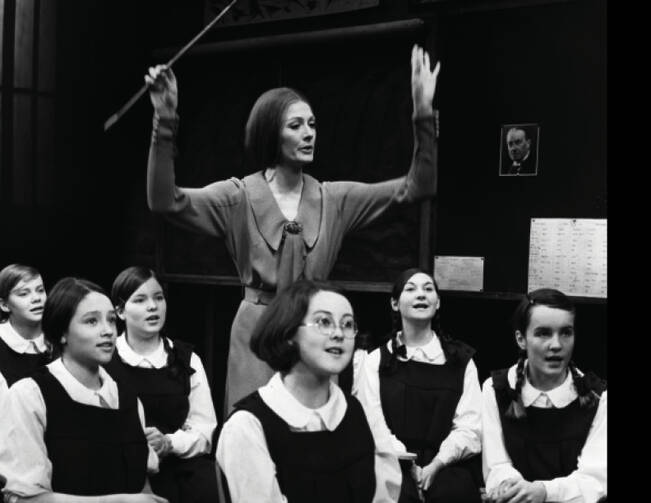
point(520, 321)
point(61, 305)
point(10, 276)
point(127, 282)
point(262, 132)
point(272, 336)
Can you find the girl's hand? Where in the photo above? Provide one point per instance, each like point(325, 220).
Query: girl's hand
point(423, 81)
point(499, 491)
point(159, 442)
point(523, 491)
point(163, 90)
point(428, 474)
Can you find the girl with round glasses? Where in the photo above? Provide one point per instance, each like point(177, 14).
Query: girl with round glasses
point(299, 438)
point(421, 387)
point(544, 421)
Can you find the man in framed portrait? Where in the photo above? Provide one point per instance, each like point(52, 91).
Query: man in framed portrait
point(521, 150)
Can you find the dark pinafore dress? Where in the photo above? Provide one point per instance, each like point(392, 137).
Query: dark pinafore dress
point(320, 466)
point(14, 366)
point(419, 401)
point(94, 451)
point(547, 442)
point(164, 394)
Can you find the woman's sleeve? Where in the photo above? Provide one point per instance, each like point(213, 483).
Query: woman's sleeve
point(244, 458)
point(195, 436)
point(23, 454)
point(361, 203)
point(588, 483)
point(464, 438)
point(205, 210)
point(152, 458)
point(496, 463)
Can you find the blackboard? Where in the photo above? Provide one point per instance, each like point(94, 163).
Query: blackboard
point(543, 65)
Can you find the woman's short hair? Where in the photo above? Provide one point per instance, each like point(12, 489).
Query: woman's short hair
point(61, 305)
point(274, 331)
point(541, 297)
point(127, 282)
point(262, 132)
point(10, 276)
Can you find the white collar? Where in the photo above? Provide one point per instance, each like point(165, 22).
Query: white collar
point(561, 396)
point(18, 343)
point(157, 359)
point(431, 351)
point(80, 393)
point(297, 415)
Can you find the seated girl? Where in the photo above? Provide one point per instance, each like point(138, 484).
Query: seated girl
point(22, 345)
point(422, 387)
point(544, 421)
point(299, 437)
point(70, 433)
point(172, 384)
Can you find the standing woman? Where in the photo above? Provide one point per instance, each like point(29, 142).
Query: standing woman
point(22, 345)
point(69, 433)
point(279, 223)
point(422, 387)
point(172, 384)
point(544, 421)
point(299, 438)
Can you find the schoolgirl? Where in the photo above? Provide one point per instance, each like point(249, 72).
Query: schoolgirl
point(22, 345)
point(544, 421)
point(171, 381)
point(299, 437)
point(422, 388)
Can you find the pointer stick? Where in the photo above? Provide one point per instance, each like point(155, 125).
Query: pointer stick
point(117, 115)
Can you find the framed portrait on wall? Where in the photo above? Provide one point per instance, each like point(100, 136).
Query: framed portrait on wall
point(519, 148)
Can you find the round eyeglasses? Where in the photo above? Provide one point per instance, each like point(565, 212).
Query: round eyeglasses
point(327, 326)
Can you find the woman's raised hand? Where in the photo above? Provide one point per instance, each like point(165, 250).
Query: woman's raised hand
point(163, 91)
point(423, 81)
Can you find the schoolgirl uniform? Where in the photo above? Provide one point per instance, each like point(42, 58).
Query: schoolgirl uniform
point(274, 449)
point(558, 442)
point(56, 435)
point(427, 400)
point(173, 387)
point(19, 356)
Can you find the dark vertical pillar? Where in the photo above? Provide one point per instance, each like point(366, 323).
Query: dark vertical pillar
point(6, 182)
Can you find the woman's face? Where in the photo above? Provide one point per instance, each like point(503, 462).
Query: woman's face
point(321, 354)
point(297, 135)
point(25, 301)
point(90, 338)
point(418, 300)
point(548, 342)
point(145, 310)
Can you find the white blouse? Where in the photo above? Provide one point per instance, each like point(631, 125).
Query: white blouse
point(23, 454)
point(464, 438)
point(20, 345)
point(195, 435)
point(587, 483)
point(244, 458)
